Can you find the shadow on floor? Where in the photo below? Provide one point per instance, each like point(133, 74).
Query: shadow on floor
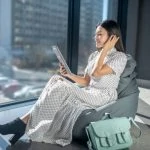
point(143, 111)
point(141, 143)
point(22, 145)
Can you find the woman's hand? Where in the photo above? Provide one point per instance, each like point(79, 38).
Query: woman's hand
point(110, 43)
point(62, 70)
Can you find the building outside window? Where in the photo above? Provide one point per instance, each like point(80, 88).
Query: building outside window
point(91, 13)
point(28, 29)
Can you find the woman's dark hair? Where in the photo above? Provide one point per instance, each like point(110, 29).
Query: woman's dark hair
point(113, 28)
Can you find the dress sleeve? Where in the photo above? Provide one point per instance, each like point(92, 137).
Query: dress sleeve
point(117, 62)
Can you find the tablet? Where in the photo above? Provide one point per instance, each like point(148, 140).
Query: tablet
point(61, 58)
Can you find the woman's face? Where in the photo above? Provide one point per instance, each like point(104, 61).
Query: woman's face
point(101, 37)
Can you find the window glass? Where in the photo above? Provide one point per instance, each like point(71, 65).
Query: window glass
point(28, 29)
point(92, 12)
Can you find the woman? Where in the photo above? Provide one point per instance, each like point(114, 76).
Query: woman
point(62, 101)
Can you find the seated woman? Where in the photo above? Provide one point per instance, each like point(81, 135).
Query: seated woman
point(62, 101)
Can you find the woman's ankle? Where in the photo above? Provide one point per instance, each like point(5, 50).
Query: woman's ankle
point(25, 119)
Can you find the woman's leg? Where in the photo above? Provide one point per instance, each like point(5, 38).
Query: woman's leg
point(52, 95)
point(25, 118)
point(44, 110)
point(18, 126)
point(23, 122)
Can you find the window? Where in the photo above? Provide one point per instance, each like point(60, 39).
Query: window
point(92, 12)
point(28, 30)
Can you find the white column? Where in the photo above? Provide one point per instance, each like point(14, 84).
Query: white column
point(5, 23)
point(105, 9)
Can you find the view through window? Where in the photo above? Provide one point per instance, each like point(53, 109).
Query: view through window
point(28, 29)
point(91, 13)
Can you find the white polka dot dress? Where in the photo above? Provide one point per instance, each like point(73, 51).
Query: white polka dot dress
point(61, 102)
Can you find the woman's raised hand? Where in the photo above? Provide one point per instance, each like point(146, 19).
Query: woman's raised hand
point(111, 42)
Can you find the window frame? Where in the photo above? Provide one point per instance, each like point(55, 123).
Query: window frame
point(73, 37)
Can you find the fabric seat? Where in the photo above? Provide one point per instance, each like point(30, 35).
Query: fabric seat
point(125, 106)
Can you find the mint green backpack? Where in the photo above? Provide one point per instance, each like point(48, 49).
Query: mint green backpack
point(110, 134)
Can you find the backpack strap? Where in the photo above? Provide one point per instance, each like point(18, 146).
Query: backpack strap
point(135, 124)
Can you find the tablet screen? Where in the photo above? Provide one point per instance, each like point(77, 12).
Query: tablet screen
point(61, 58)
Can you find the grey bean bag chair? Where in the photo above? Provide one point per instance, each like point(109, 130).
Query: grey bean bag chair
point(124, 106)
